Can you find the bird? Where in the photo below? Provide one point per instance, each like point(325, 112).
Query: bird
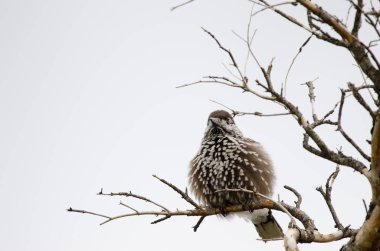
point(227, 159)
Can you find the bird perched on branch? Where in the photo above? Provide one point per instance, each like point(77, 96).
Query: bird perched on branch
point(226, 159)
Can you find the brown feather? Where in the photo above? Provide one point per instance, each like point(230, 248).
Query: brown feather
point(226, 159)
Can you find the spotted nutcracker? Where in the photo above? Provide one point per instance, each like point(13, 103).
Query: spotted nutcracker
point(227, 159)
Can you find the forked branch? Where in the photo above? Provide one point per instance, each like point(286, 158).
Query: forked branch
point(326, 193)
point(305, 235)
point(322, 149)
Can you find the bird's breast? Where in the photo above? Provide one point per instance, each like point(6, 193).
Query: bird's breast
point(228, 162)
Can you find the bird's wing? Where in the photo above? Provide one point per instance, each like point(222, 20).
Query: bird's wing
point(258, 166)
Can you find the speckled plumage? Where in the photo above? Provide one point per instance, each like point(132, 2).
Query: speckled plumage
point(227, 159)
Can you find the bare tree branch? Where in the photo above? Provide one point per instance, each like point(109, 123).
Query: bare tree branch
point(282, 208)
point(298, 195)
point(87, 212)
point(290, 239)
point(196, 226)
point(323, 151)
point(367, 237)
point(316, 33)
point(343, 132)
point(369, 20)
point(306, 235)
point(324, 35)
point(358, 18)
point(266, 7)
point(229, 54)
point(293, 61)
point(123, 204)
point(327, 196)
point(328, 19)
point(360, 99)
point(184, 195)
point(130, 194)
point(226, 81)
point(259, 114)
point(319, 24)
point(182, 4)
point(161, 219)
point(359, 50)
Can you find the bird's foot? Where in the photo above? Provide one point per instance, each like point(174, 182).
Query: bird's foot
point(247, 204)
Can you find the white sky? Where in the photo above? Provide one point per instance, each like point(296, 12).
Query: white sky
point(88, 101)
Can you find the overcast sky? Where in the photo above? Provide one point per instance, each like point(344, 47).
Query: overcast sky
point(88, 101)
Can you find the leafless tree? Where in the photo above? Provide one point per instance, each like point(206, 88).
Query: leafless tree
point(324, 26)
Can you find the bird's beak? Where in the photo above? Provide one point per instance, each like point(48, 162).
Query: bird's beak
point(216, 122)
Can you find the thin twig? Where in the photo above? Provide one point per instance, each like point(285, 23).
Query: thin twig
point(293, 61)
point(199, 222)
point(367, 16)
point(259, 114)
point(273, 239)
point(123, 204)
point(130, 194)
point(249, 40)
point(347, 15)
point(360, 99)
point(298, 195)
point(343, 132)
point(269, 7)
point(330, 112)
point(324, 34)
point(180, 5)
point(208, 81)
point(227, 51)
point(184, 195)
point(161, 219)
point(227, 82)
point(365, 207)
point(87, 212)
point(338, 158)
point(230, 72)
point(375, 101)
point(327, 196)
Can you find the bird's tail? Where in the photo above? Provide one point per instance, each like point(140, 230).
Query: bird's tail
point(266, 225)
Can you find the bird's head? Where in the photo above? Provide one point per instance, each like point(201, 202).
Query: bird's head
point(221, 122)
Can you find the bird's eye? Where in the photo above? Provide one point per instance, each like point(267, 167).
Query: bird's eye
point(230, 121)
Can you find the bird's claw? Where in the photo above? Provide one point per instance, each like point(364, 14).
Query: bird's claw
point(247, 205)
